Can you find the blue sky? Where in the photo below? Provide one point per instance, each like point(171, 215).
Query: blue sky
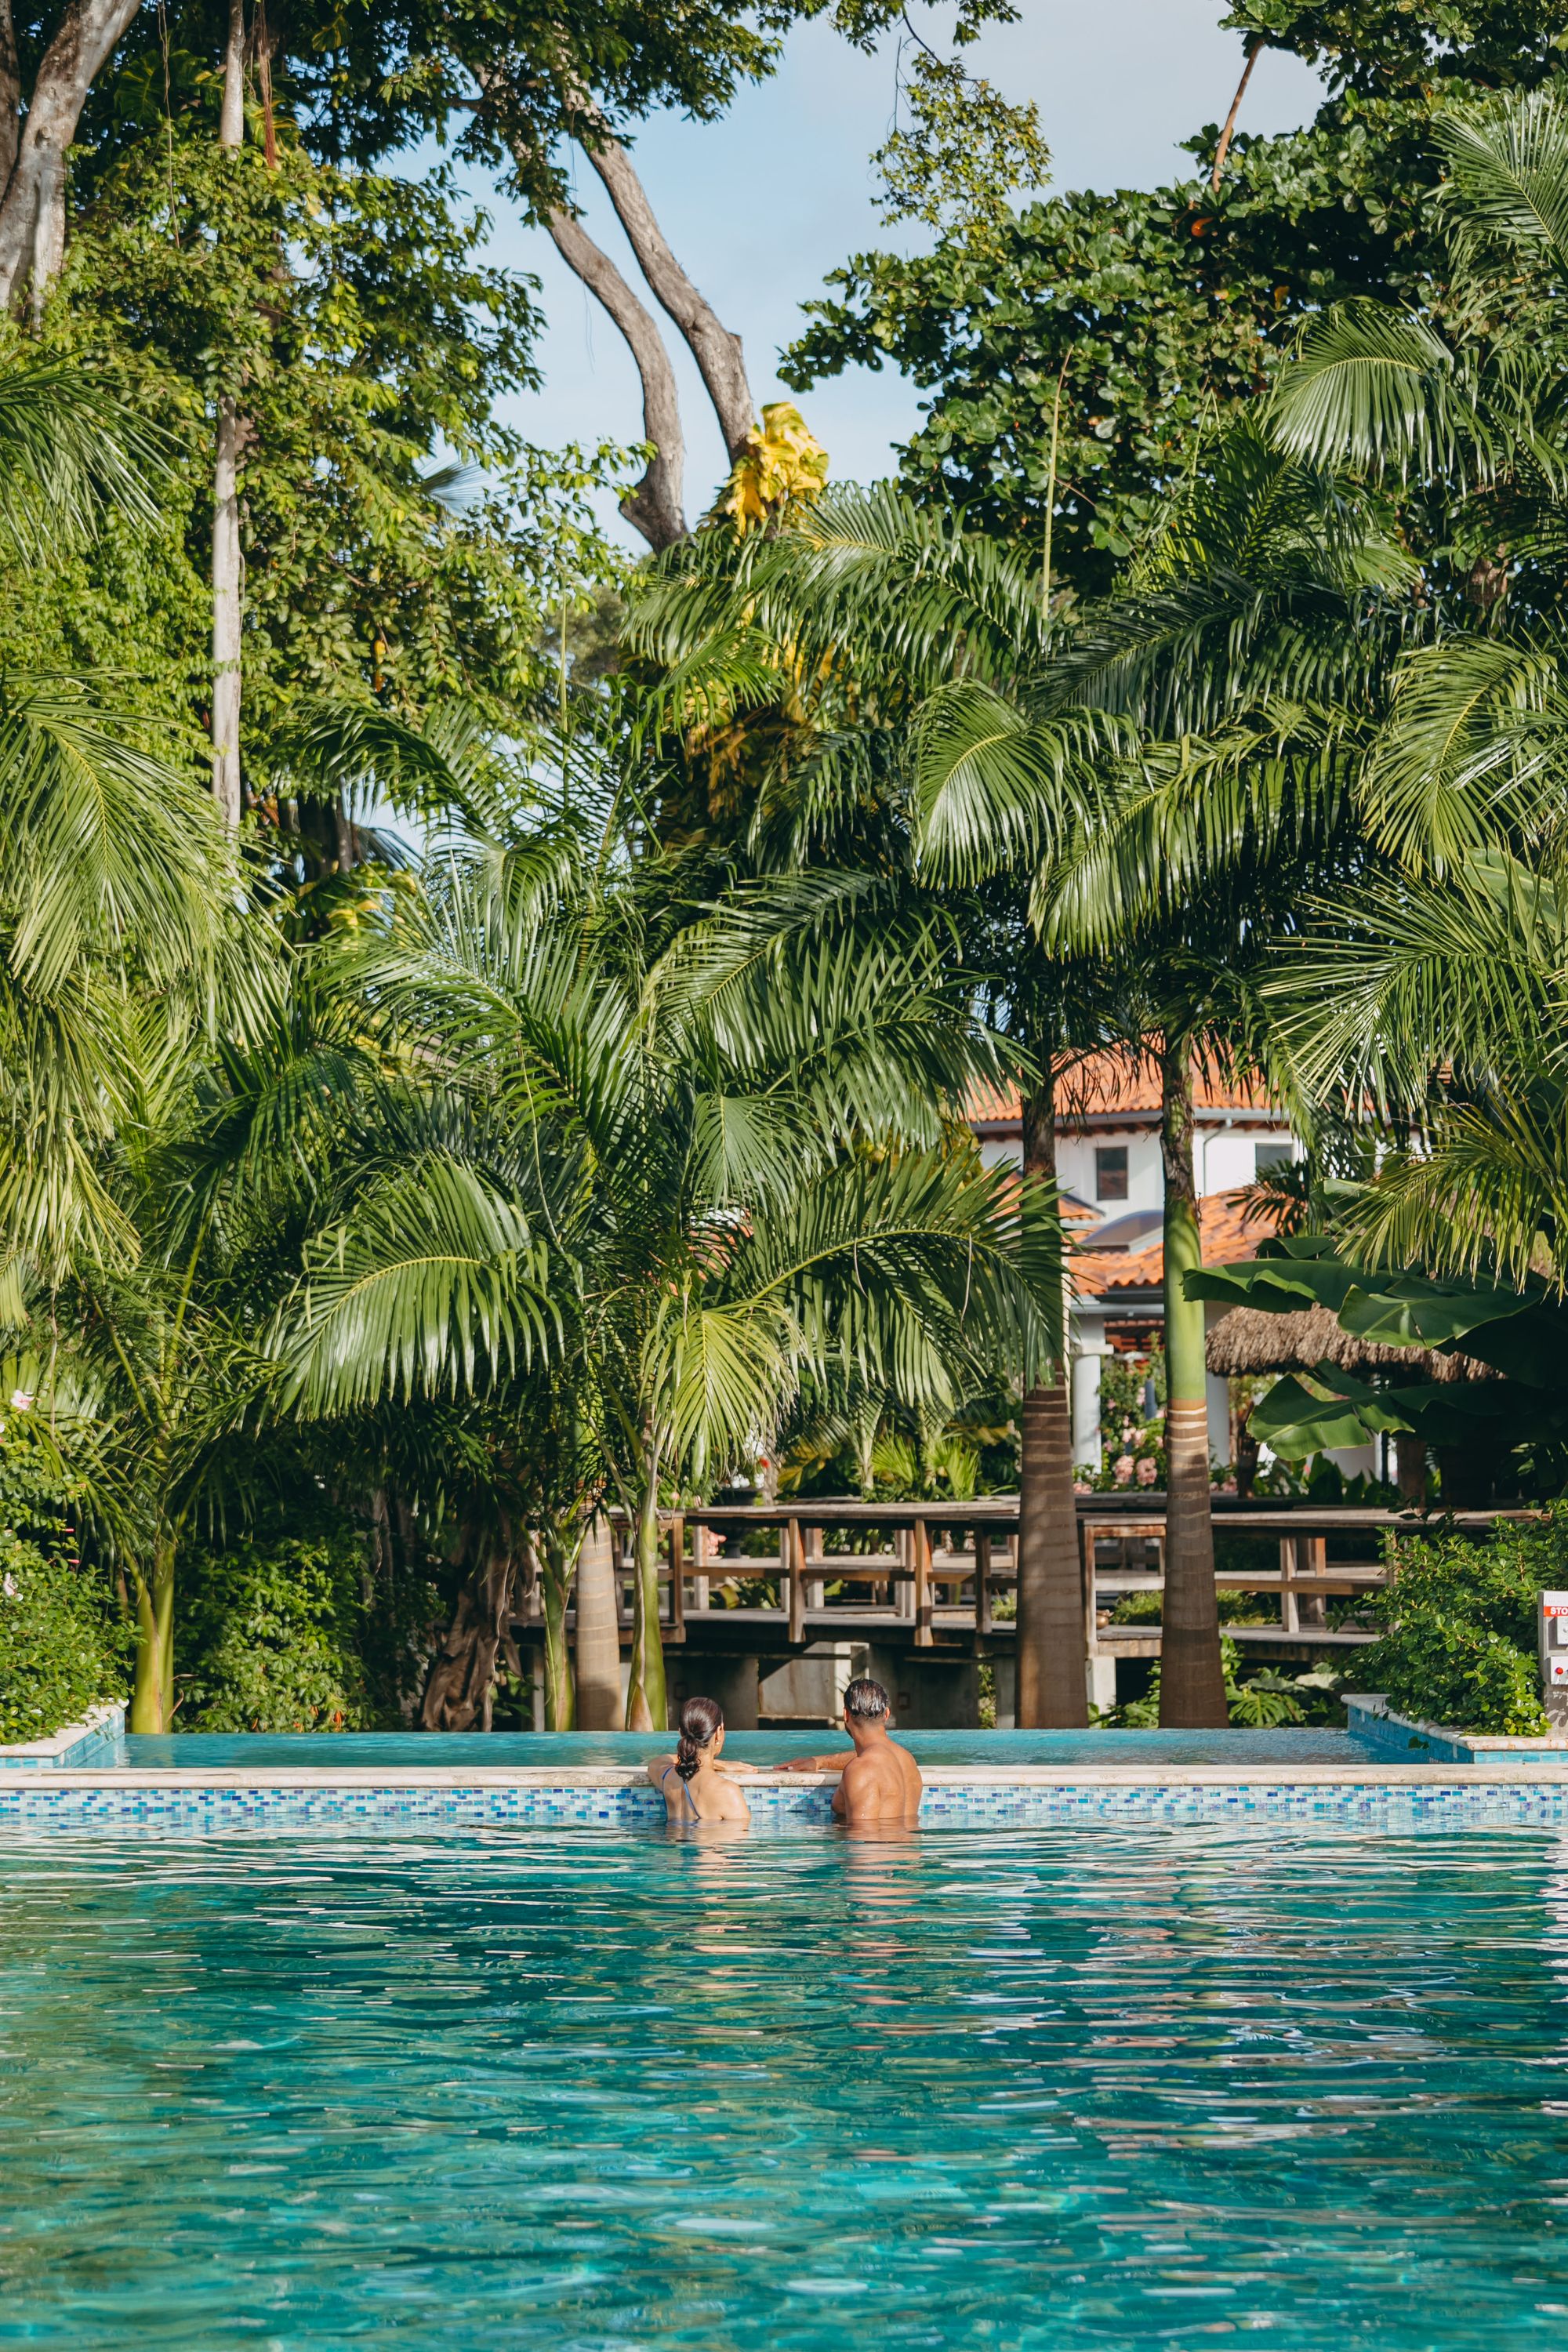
point(762, 206)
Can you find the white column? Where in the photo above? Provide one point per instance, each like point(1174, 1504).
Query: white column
point(1086, 1450)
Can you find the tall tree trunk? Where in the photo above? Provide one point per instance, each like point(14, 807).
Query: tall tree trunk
point(228, 676)
point(458, 1690)
point(344, 834)
point(231, 115)
point(153, 1686)
point(1410, 1469)
point(10, 93)
point(1052, 1666)
point(647, 1707)
point(558, 1556)
point(598, 1640)
point(715, 349)
point(1192, 1676)
point(32, 210)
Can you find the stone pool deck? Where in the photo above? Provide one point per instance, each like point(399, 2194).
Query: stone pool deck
point(1371, 1795)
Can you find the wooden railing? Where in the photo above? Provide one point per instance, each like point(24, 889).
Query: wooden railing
point(939, 1569)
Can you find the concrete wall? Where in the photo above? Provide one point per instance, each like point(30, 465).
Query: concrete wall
point(926, 1697)
point(811, 1688)
point(733, 1682)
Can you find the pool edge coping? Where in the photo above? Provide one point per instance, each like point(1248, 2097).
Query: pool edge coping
point(1375, 1772)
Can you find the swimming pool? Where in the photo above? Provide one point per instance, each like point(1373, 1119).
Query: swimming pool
point(379, 1752)
point(579, 2091)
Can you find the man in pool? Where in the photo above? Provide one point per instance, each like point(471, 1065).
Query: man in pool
point(880, 1783)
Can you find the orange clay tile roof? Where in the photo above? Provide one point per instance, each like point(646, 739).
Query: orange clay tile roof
point(1228, 1233)
point(1114, 1081)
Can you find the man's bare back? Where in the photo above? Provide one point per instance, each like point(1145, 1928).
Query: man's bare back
point(881, 1782)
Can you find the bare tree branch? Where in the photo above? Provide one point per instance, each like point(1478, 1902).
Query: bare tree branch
point(716, 351)
point(654, 506)
point(1222, 149)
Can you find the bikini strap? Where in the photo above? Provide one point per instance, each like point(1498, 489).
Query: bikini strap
point(685, 1790)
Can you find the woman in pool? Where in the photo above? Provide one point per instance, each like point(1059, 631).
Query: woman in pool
point(694, 1788)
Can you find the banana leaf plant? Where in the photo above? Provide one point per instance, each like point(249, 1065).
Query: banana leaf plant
point(1522, 1333)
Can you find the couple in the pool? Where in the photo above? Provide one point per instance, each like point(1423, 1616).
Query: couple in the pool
point(879, 1784)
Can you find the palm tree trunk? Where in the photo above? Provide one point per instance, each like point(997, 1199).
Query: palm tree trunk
point(598, 1640)
point(227, 572)
point(647, 1707)
point(1192, 1676)
point(558, 1559)
point(152, 1687)
point(1052, 1667)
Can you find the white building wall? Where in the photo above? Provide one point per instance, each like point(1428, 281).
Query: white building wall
point(1145, 1177)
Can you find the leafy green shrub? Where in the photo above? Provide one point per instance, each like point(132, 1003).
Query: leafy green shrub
point(1261, 1701)
point(1447, 1670)
point(58, 1651)
point(1459, 1649)
point(273, 1631)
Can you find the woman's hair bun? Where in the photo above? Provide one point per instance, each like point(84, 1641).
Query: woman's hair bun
point(700, 1719)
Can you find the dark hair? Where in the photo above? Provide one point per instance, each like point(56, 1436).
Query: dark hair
point(864, 1698)
point(700, 1719)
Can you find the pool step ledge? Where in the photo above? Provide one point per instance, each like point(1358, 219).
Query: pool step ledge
point(1371, 1720)
point(97, 1739)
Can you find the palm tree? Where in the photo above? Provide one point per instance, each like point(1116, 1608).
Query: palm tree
point(847, 641)
point(677, 1178)
point(1433, 988)
point(1158, 776)
point(118, 943)
point(109, 868)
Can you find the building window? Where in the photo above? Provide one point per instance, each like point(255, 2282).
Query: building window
point(1274, 1155)
point(1111, 1172)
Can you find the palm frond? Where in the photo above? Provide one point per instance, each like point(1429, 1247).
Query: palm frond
point(68, 450)
point(435, 1285)
point(1509, 167)
point(1371, 387)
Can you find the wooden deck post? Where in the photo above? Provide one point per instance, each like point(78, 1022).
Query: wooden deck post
point(1289, 1622)
point(794, 1551)
point(1312, 1560)
point(677, 1579)
point(816, 1597)
point(699, 1599)
point(982, 1581)
point(924, 1635)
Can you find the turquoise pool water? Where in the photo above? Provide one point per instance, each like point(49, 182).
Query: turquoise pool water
point(1035, 2092)
point(395, 1751)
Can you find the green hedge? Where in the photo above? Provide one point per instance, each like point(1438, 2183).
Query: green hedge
point(59, 1655)
point(1461, 1644)
point(272, 1637)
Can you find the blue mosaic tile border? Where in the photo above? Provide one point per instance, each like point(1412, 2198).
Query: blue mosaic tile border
point(198, 1810)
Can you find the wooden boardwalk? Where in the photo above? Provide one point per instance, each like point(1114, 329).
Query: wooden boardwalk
point(778, 1578)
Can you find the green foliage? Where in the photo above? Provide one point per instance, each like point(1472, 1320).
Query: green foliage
point(274, 1630)
point(401, 544)
point(1260, 1701)
point(1461, 1644)
point(59, 1652)
point(963, 152)
point(1119, 327)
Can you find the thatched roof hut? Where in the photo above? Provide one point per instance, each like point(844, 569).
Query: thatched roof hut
point(1246, 1342)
